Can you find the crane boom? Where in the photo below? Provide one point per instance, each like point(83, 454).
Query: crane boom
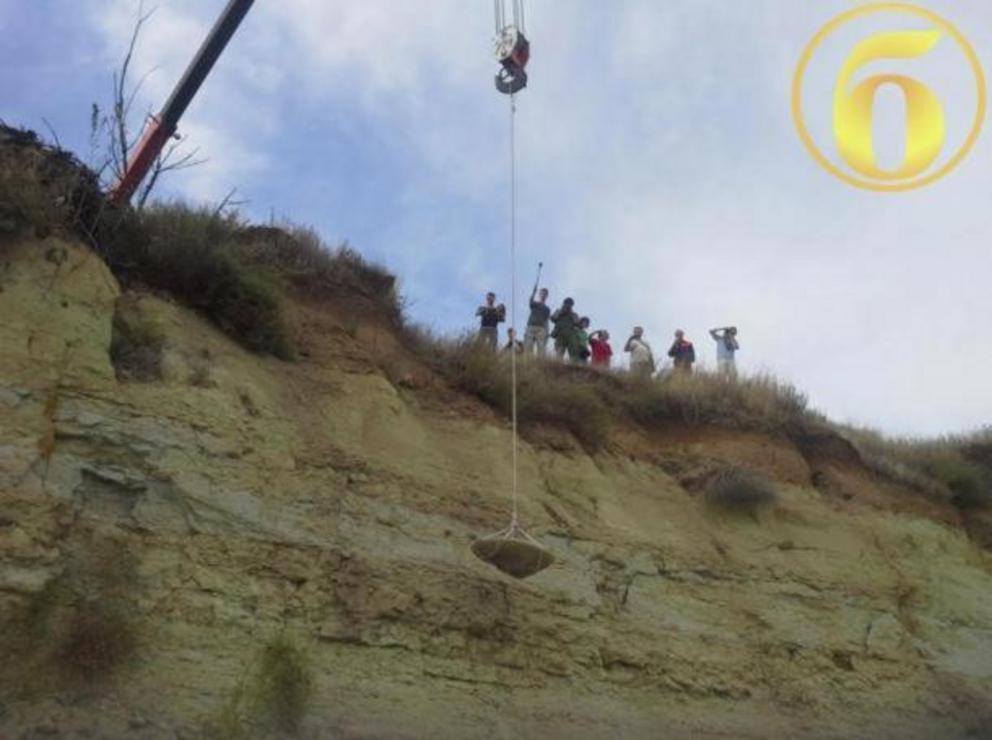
point(162, 126)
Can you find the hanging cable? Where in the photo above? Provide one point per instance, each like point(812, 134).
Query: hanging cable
point(513, 296)
point(512, 550)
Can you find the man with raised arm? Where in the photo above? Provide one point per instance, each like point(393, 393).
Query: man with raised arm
point(536, 334)
point(726, 348)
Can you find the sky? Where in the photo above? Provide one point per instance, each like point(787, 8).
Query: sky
point(660, 176)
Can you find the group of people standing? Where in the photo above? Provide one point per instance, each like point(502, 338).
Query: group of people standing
point(574, 342)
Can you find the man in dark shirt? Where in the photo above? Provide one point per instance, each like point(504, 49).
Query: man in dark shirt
point(565, 320)
point(536, 335)
point(490, 317)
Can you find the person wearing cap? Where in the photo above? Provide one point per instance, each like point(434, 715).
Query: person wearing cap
point(726, 348)
point(565, 321)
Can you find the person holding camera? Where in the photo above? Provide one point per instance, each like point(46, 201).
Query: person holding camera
point(682, 352)
point(490, 317)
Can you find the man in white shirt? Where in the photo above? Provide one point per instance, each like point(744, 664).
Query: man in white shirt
point(726, 347)
point(641, 356)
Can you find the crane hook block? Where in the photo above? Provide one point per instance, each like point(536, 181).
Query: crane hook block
point(512, 50)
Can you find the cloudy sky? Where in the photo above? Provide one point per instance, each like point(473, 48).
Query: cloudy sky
point(661, 178)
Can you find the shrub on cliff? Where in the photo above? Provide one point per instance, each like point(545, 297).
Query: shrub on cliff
point(955, 466)
point(739, 492)
point(83, 625)
point(98, 638)
point(44, 188)
point(274, 695)
point(282, 686)
point(193, 254)
point(136, 343)
point(232, 272)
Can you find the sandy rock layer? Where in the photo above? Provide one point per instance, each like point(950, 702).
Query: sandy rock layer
point(239, 498)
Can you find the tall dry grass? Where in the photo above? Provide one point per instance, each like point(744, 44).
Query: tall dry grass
point(585, 400)
point(956, 465)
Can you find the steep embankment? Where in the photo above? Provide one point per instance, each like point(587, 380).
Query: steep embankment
point(241, 497)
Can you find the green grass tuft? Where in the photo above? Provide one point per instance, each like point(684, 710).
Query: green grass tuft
point(281, 688)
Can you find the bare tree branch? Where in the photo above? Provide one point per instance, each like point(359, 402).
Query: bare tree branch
point(114, 126)
point(164, 163)
point(228, 202)
point(122, 102)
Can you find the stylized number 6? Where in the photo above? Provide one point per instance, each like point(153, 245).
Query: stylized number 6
point(925, 130)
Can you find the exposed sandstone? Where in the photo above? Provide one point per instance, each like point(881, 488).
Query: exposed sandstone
point(257, 496)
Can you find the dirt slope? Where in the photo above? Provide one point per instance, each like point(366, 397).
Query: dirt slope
point(255, 497)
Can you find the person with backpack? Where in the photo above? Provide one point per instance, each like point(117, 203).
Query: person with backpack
point(565, 320)
point(726, 348)
point(602, 352)
point(490, 317)
point(641, 357)
point(682, 352)
point(536, 333)
point(578, 346)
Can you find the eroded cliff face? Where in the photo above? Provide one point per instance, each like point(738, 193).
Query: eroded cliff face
point(249, 497)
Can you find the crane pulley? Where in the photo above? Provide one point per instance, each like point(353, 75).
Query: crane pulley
point(511, 48)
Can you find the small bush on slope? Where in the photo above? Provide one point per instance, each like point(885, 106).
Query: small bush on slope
point(43, 188)
point(98, 638)
point(299, 254)
point(231, 272)
point(24, 203)
point(234, 273)
point(192, 254)
point(136, 343)
point(84, 623)
point(282, 686)
point(275, 694)
point(739, 492)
